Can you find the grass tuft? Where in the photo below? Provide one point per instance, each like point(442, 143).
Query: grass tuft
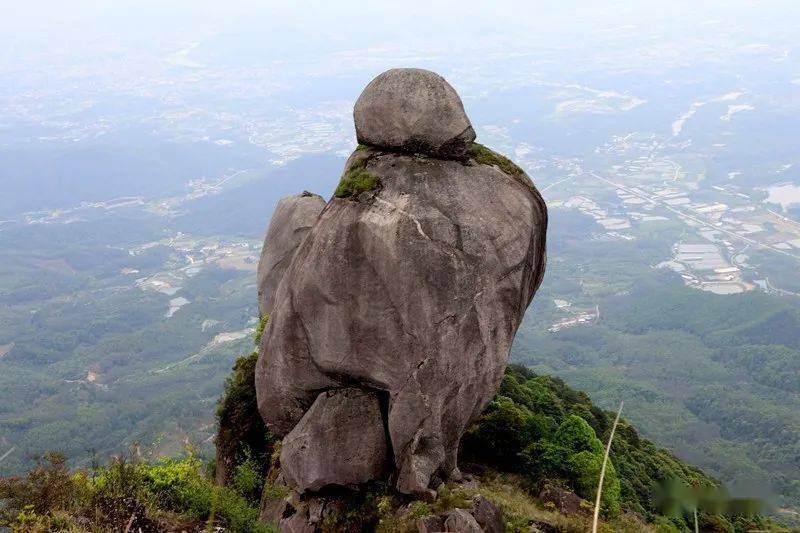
point(486, 156)
point(356, 180)
point(262, 325)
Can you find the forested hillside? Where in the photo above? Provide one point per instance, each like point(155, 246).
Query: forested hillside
point(714, 378)
point(536, 443)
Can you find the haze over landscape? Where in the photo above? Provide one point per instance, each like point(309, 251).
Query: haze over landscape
point(143, 147)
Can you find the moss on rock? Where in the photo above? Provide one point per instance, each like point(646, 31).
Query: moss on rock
point(356, 180)
point(262, 325)
point(486, 156)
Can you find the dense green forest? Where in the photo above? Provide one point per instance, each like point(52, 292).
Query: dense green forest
point(93, 365)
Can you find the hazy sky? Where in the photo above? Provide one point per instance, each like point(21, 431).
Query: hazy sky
point(60, 47)
point(55, 26)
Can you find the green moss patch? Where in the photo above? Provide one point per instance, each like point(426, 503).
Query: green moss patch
point(485, 156)
point(356, 180)
point(262, 324)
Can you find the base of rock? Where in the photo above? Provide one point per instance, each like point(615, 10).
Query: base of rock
point(323, 511)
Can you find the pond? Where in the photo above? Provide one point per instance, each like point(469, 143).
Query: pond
point(785, 194)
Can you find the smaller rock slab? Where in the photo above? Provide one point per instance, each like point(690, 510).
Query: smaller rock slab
point(460, 521)
point(488, 515)
point(341, 440)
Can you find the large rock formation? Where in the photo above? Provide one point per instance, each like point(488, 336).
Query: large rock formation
point(409, 288)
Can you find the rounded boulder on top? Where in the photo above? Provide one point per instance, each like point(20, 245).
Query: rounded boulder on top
point(413, 110)
point(409, 287)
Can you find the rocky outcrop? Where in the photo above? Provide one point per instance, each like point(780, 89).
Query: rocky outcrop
point(291, 221)
point(413, 110)
point(483, 517)
point(565, 501)
point(430, 524)
point(409, 288)
point(461, 521)
point(488, 515)
point(320, 513)
point(273, 510)
point(340, 440)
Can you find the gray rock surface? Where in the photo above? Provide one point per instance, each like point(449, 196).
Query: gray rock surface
point(567, 502)
point(316, 514)
point(417, 292)
point(488, 515)
point(272, 511)
point(340, 440)
point(543, 526)
point(297, 523)
point(414, 289)
point(291, 221)
point(461, 521)
point(413, 110)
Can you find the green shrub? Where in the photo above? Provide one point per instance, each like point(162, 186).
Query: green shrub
point(577, 435)
point(541, 429)
point(242, 433)
point(29, 521)
point(584, 469)
point(51, 498)
point(503, 430)
point(178, 485)
point(545, 460)
point(48, 487)
point(418, 509)
point(248, 479)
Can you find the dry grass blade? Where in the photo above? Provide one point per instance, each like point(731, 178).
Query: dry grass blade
point(603, 471)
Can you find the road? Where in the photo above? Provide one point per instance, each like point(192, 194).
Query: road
point(9, 452)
